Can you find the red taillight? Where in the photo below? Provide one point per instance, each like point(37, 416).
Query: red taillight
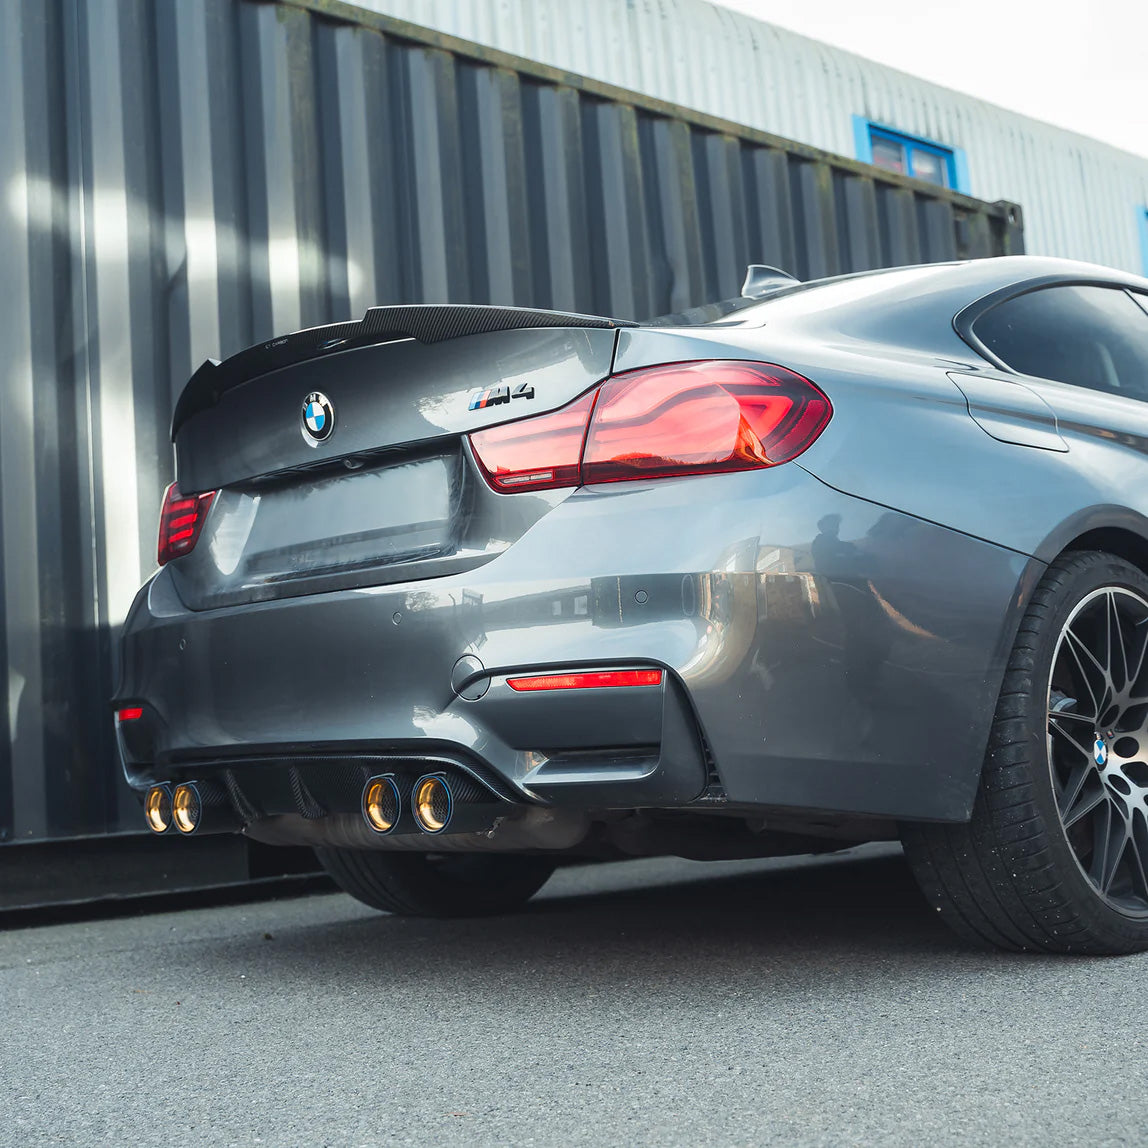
point(129, 713)
point(700, 418)
point(591, 681)
point(682, 418)
point(180, 522)
point(538, 453)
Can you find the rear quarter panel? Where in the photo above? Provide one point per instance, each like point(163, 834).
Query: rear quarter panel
point(902, 436)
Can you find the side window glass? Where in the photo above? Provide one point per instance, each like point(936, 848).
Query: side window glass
point(1094, 337)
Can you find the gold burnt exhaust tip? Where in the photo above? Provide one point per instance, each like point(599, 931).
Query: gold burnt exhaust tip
point(185, 808)
point(157, 809)
point(432, 804)
point(381, 804)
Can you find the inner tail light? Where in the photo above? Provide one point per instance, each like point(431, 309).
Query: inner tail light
point(181, 522)
point(682, 418)
point(538, 453)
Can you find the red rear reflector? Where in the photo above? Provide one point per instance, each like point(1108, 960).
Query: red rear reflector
point(130, 713)
point(682, 418)
point(537, 453)
point(701, 418)
point(591, 681)
point(180, 522)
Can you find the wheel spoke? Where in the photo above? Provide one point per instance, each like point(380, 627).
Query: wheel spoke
point(1054, 720)
point(1110, 838)
point(1070, 792)
point(1085, 803)
point(1117, 653)
point(1093, 675)
point(1138, 660)
point(1138, 853)
point(1084, 719)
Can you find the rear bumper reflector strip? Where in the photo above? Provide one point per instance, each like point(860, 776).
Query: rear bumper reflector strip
point(587, 681)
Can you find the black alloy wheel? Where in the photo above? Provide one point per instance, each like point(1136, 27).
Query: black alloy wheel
point(1055, 857)
point(1098, 743)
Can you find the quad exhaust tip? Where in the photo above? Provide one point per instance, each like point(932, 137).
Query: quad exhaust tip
point(382, 803)
point(393, 803)
point(157, 808)
point(186, 808)
point(166, 809)
point(432, 803)
point(435, 803)
point(441, 803)
point(191, 807)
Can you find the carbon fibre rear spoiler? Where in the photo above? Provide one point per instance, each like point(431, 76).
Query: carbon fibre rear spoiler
point(426, 322)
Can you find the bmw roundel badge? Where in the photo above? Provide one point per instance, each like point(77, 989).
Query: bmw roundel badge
point(318, 417)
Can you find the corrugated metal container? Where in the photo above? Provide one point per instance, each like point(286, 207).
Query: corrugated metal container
point(181, 179)
point(1082, 198)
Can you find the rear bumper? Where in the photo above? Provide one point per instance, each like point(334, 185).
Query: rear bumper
point(821, 652)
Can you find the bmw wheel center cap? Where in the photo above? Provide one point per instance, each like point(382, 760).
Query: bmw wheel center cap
point(318, 417)
point(1100, 752)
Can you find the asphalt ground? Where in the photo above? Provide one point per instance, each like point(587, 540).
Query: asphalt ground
point(661, 1002)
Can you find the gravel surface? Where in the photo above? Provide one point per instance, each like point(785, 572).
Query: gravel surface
point(661, 1002)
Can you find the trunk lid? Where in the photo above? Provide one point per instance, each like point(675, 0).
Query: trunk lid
point(390, 491)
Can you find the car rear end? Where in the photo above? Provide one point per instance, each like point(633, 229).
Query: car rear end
point(410, 557)
point(458, 569)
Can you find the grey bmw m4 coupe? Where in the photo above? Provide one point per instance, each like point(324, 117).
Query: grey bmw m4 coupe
point(456, 593)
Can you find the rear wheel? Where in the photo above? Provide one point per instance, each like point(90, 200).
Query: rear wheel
point(437, 884)
point(1055, 857)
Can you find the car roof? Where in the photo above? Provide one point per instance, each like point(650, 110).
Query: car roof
point(980, 277)
point(903, 305)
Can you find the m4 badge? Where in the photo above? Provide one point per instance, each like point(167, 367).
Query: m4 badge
point(496, 396)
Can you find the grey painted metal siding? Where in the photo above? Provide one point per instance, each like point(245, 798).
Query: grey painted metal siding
point(1081, 197)
point(182, 178)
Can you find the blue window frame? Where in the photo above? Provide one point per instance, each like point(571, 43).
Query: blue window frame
point(898, 151)
point(1142, 219)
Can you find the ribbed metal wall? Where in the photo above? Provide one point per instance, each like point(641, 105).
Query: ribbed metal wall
point(1082, 198)
point(181, 178)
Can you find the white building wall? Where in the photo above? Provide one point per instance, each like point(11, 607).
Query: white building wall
point(1082, 199)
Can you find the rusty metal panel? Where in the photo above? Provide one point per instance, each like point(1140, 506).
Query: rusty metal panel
point(182, 178)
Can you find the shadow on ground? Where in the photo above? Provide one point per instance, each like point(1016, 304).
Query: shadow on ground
point(657, 921)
